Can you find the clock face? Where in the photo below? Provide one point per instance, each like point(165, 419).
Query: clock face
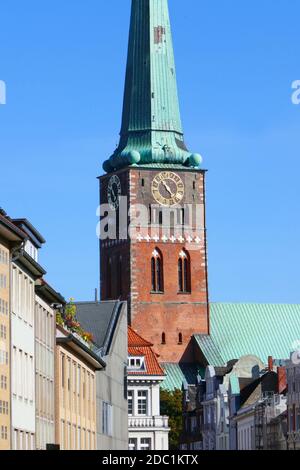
point(168, 189)
point(114, 191)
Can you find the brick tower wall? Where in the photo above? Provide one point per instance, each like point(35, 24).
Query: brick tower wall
point(170, 312)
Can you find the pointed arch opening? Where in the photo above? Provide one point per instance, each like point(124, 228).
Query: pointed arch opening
point(157, 276)
point(108, 279)
point(184, 272)
point(163, 338)
point(180, 338)
point(120, 275)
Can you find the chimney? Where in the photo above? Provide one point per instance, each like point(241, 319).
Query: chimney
point(270, 363)
point(282, 379)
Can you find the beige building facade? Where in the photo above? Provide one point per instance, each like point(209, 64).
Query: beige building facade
point(10, 239)
point(75, 395)
point(4, 346)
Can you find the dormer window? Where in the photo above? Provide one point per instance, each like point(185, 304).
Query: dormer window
point(136, 364)
point(31, 250)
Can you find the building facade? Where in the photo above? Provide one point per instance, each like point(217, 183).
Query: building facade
point(47, 302)
point(261, 403)
point(11, 238)
point(75, 398)
point(293, 401)
point(107, 321)
point(148, 430)
point(161, 270)
point(208, 404)
point(25, 271)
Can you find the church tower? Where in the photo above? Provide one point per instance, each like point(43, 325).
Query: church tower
point(155, 185)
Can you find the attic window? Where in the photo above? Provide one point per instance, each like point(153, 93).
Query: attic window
point(136, 363)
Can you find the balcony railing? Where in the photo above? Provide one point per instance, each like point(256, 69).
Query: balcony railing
point(148, 422)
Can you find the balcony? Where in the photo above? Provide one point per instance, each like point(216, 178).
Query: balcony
point(148, 422)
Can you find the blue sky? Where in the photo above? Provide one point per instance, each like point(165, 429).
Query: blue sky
point(64, 65)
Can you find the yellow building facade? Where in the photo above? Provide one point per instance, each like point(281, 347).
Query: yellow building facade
point(75, 396)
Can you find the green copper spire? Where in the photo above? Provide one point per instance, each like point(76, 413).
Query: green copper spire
point(151, 125)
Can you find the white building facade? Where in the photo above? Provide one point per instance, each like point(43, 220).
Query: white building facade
point(25, 271)
point(47, 301)
point(148, 430)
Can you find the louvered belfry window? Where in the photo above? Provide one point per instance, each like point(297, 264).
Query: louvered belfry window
point(184, 272)
point(157, 272)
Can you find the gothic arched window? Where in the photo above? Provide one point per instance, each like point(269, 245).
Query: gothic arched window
point(157, 278)
point(180, 338)
point(120, 276)
point(184, 272)
point(108, 279)
point(163, 338)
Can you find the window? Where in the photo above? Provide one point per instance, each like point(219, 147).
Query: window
point(184, 272)
point(145, 444)
point(106, 419)
point(3, 281)
point(78, 383)
point(69, 375)
point(157, 271)
point(125, 383)
point(163, 338)
point(133, 444)
point(137, 363)
point(79, 438)
point(3, 257)
point(3, 407)
point(182, 217)
point(62, 435)
point(2, 331)
point(130, 402)
point(142, 402)
point(120, 276)
point(3, 382)
point(63, 370)
point(180, 338)
point(4, 433)
point(160, 218)
point(3, 307)
point(108, 279)
point(74, 437)
point(4, 358)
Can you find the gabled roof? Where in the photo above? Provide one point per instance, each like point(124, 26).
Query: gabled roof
point(101, 319)
point(210, 350)
point(135, 340)
point(176, 374)
point(255, 390)
point(138, 346)
point(241, 329)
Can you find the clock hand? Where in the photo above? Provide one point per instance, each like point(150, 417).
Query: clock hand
point(167, 188)
point(114, 193)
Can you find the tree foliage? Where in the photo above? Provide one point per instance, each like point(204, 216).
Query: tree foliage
point(171, 405)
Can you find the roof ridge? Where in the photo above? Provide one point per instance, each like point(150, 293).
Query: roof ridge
point(135, 334)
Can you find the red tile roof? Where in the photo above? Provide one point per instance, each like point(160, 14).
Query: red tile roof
point(138, 346)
